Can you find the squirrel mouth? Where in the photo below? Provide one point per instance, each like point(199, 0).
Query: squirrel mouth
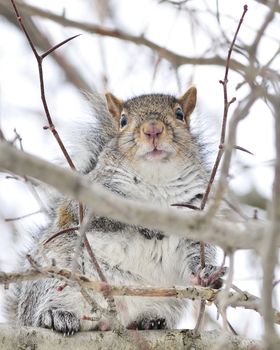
point(156, 153)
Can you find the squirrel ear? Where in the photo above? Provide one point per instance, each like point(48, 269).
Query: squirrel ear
point(188, 101)
point(114, 105)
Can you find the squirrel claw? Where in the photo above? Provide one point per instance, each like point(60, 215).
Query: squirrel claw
point(209, 276)
point(61, 321)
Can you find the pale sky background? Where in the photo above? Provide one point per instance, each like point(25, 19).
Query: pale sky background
point(130, 72)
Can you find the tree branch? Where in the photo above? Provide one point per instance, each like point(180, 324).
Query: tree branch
point(226, 234)
point(238, 299)
point(227, 104)
point(270, 251)
point(268, 19)
point(240, 113)
point(43, 339)
point(41, 41)
point(269, 3)
point(176, 59)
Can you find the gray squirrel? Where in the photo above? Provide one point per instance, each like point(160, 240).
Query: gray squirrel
point(142, 149)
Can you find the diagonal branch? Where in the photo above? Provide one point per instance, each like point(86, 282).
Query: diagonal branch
point(41, 41)
point(39, 59)
point(225, 114)
point(176, 59)
point(268, 19)
point(240, 113)
point(226, 234)
point(52, 49)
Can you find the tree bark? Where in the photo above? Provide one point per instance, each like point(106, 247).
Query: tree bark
point(27, 338)
point(226, 234)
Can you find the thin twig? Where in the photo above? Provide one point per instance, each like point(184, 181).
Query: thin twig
point(224, 296)
point(240, 113)
point(225, 114)
point(219, 155)
point(39, 59)
point(243, 150)
point(19, 138)
point(22, 216)
point(95, 307)
point(2, 137)
point(185, 205)
point(55, 47)
point(199, 322)
point(231, 328)
point(59, 233)
point(30, 185)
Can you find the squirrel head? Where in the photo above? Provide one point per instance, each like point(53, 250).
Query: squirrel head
point(153, 127)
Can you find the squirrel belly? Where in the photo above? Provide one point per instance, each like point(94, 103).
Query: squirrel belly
point(151, 156)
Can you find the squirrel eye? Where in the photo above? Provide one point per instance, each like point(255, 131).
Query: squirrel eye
point(179, 114)
point(123, 120)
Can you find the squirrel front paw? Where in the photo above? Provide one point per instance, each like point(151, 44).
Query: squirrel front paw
point(209, 276)
point(60, 321)
point(146, 322)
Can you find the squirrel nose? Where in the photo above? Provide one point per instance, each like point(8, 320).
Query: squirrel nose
point(153, 129)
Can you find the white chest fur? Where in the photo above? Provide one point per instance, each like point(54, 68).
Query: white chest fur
point(155, 260)
point(160, 183)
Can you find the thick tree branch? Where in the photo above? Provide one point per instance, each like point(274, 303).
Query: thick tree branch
point(43, 339)
point(269, 3)
point(227, 234)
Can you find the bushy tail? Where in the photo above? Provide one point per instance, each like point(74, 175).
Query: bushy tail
point(89, 136)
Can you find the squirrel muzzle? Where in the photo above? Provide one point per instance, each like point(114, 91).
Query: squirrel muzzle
point(152, 131)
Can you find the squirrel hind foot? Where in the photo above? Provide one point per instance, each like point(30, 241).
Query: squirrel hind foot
point(148, 322)
point(60, 321)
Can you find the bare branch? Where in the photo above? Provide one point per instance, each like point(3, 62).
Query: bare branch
point(41, 41)
point(260, 32)
point(240, 113)
point(227, 104)
point(61, 232)
point(55, 47)
point(23, 216)
point(269, 3)
point(176, 59)
point(39, 59)
point(243, 150)
point(237, 299)
point(226, 234)
point(270, 251)
point(224, 297)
